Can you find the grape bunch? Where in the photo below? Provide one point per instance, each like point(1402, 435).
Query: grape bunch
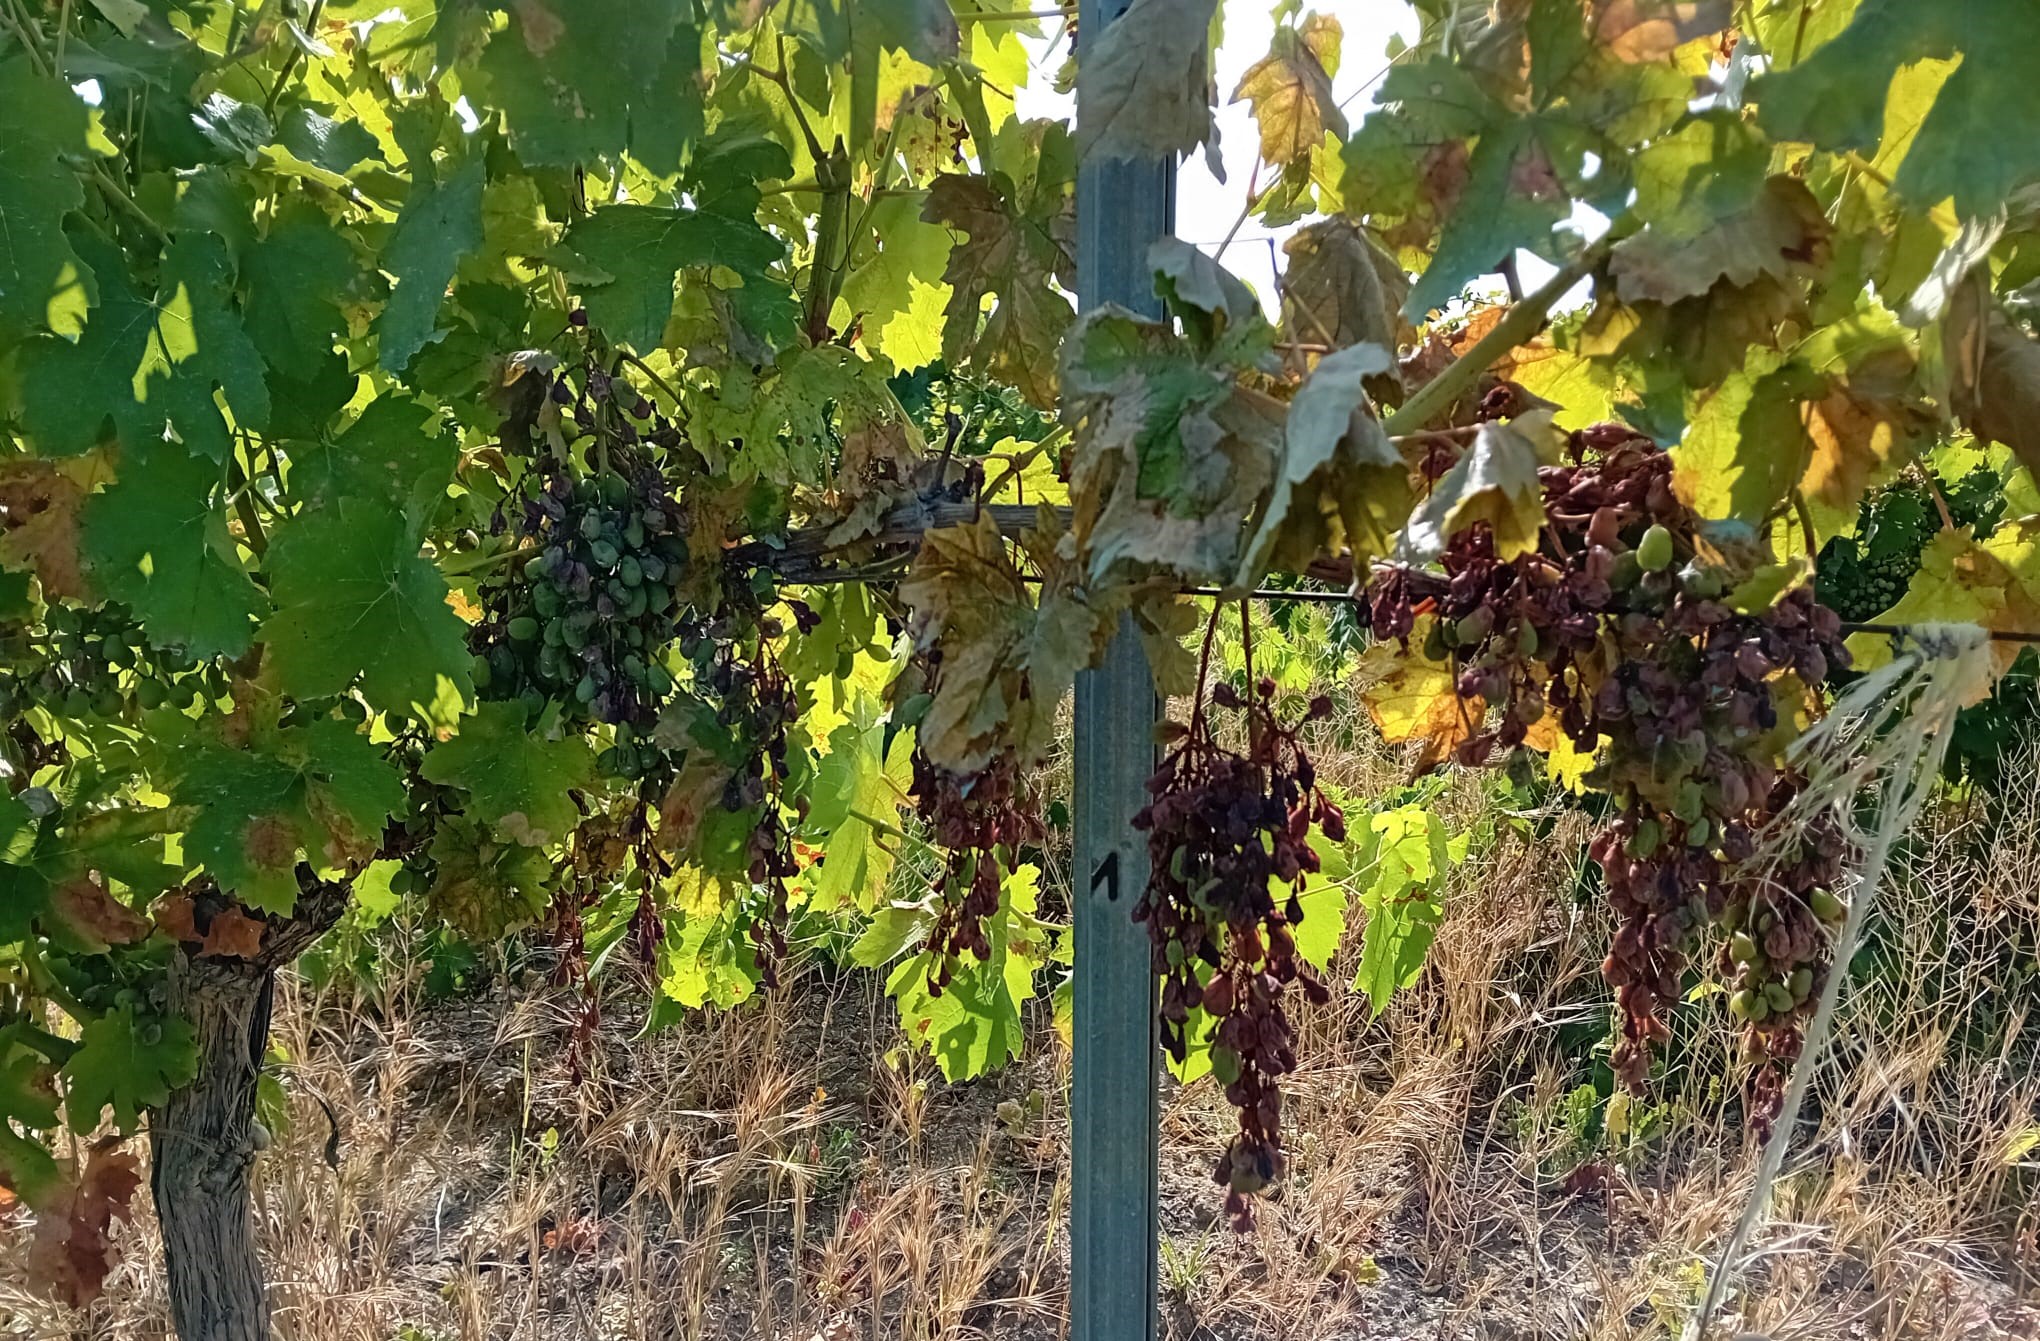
point(586, 620)
point(1224, 830)
point(1619, 629)
point(978, 820)
point(78, 661)
point(1863, 575)
point(736, 669)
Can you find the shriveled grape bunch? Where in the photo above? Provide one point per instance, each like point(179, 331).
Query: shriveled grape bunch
point(737, 672)
point(1621, 629)
point(978, 820)
point(1225, 829)
point(585, 620)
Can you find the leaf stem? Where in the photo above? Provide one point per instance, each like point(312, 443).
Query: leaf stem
point(293, 56)
point(1522, 323)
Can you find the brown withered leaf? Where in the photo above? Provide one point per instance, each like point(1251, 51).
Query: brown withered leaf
point(1018, 243)
point(1781, 236)
point(72, 1254)
point(1651, 30)
point(1342, 288)
point(1007, 658)
point(1995, 374)
point(230, 934)
point(697, 789)
point(1170, 457)
point(39, 505)
point(91, 912)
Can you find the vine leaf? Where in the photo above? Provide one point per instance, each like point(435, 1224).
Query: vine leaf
point(1007, 660)
point(44, 283)
point(39, 507)
point(1016, 237)
point(1341, 485)
point(974, 1026)
point(1406, 856)
point(1342, 288)
point(640, 248)
point(1650, 30)
point(1835, 98)
point(1781, 234)
point(321, 792)
point(579, 82)
point(114, 1070)
point(1144, 83)
point(1748, 445)
point(441, 222)
point(1290, 90)
point(1413, 699)
point(88, 910)
point(484, 886)
point(1996, 369)
point(72, 1252)
point(1994, 583)
point(517, 778)
point(394, 454)
point(1494, 481)
point(156, 540)
point(353, 599)
point(297, 276)
point(231, 934)
point(1170, 454)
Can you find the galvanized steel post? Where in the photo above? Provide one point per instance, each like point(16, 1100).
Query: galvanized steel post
point(1122, 207)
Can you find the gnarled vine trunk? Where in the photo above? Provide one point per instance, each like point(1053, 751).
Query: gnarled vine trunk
point(202, 1141)
point(204, 1154)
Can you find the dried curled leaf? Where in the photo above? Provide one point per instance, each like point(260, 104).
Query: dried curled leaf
point(1494, 482)
point(1996, 377)
point(1650, 30)
point(1342, 288)
point(1171, 453)
point(39, 504)
point(1007, 659)
point(1341, 484)
point(1144, 84)
point(72, 1252)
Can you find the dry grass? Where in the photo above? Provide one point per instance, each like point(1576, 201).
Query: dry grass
point(788, 1171)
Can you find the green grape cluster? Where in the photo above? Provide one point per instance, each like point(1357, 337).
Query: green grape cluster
point(586, 620)
point(79, 661)
point(1863, 575)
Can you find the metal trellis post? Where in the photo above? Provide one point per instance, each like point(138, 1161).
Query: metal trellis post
point(1122, 207)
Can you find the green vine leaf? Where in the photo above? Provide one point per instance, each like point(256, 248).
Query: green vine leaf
point(44, 283)
point(1835, 97)
point(516, 776)
point(353, 599)
point(157, 540)
point(125, 1065)
point(1290, 90)
point(441, 222)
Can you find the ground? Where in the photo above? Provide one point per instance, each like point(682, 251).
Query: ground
point(792, 1170)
